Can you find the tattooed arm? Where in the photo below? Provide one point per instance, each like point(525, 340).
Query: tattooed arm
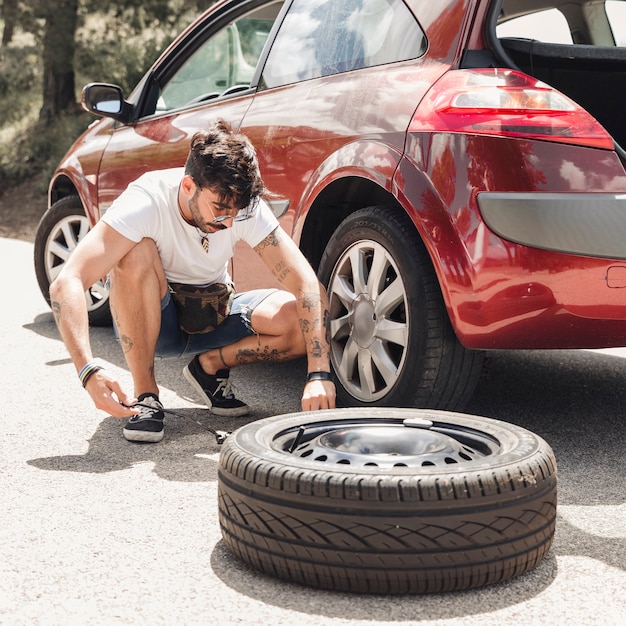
point(91, 260)
point(294, 272)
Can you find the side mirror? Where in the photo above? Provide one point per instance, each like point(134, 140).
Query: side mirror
point(107, 101)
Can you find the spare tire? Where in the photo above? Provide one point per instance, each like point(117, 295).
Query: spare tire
point(383, 500)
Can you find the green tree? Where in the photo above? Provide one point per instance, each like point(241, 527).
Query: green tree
point(9, 15)
point(59, 41)
point(59, 44)
point(71, 40)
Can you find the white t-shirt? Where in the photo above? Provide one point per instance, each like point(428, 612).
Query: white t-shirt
point(149, 208)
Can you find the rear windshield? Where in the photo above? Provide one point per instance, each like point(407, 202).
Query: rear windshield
point(595, 22)
point(549, 26)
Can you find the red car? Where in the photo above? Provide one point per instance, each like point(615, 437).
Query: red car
point(452, 170)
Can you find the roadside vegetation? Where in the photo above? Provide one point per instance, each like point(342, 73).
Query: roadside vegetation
point(49, 50)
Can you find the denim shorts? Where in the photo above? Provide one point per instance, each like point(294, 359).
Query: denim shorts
point(173, 342)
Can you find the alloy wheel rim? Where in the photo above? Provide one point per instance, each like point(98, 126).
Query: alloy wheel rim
point(60, 245)
point(369, 321)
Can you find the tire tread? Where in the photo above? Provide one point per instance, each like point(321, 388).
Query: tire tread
point(386, 532)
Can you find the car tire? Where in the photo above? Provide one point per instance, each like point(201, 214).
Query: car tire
point(62, 226)
point(392, 343)
point(387, 500)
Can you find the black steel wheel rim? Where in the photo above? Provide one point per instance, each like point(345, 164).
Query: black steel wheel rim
point(386, 442)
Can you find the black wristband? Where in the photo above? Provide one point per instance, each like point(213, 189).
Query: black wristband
point(89, 374)
point(318, 376)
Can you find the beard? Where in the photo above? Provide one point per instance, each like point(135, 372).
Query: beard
point(196, 216)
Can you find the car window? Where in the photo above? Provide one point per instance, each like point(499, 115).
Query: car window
point(548, 26)
point(225, 61)
point(616, 12)
point(323, 37)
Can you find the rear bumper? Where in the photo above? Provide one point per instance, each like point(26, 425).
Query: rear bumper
point(584, 224)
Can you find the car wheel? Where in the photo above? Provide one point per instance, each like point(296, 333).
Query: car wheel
point(387, 500)
point(62, 226)
point(391, 340)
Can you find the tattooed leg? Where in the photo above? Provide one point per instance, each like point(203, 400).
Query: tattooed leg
point(137, 285)
point(262, 353)
point(279, 337)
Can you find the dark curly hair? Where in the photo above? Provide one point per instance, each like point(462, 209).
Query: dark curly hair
point(224, 161)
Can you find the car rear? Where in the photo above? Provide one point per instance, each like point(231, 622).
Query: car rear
point(520, 194)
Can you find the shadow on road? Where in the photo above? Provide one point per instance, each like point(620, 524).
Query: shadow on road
point(573, 399)
point(382, 608)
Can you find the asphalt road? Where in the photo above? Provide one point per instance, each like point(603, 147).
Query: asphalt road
point(95, 530)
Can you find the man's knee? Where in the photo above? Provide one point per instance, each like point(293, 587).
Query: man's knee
point(290, 324)
point(277, 315)
point(140, 271)
point(141, 260)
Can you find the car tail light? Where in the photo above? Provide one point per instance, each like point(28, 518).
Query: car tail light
point(506, 102)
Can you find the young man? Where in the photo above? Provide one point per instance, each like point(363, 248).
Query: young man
point(176, 228)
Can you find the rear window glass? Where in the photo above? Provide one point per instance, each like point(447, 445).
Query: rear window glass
point(548, 26)
point(616, 12)
point(324, 37)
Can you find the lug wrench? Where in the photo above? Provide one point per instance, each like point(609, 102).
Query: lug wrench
point(220, 435)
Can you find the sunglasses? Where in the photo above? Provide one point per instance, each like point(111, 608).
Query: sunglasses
point(218, 221)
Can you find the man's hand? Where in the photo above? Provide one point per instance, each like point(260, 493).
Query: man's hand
point(318, 395)
point(108, 395)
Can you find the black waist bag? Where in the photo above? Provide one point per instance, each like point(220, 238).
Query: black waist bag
point(201, 309)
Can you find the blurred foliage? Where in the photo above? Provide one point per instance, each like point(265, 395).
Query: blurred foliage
point(116, 42)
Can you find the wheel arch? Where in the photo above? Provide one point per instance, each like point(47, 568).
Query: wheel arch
point(434, 221)
point(355, 176)
point(338, 196)
point(70, 183)
point(336, 201)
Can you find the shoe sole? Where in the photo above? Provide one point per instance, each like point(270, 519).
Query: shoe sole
point(144, 436)
point(235, 412)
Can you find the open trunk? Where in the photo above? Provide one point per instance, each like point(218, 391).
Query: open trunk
point(591, 70)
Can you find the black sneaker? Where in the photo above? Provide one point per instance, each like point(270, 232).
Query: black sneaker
point(215, 390)
point(148, 425)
